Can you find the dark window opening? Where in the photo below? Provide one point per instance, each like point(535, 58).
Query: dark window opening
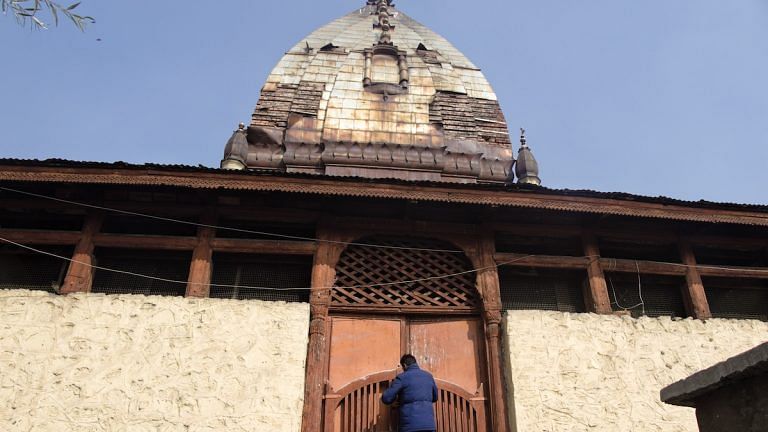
point(744, 257)
point(40, 219)
point(24, 269)
point(660, 252)
point(542, 289)
point(568, 246)
point(121, 224)
point(244, 275)
point(242, 229)
point(168, 272)
point(737, 298)
point(649, 295)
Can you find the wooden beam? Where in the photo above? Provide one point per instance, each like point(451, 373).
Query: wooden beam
point(694, 295)
point(323, 276)
point(733, 272)
point(489, 287)
point(41, 237)
point(641, 266)
point(160, 242)
point(140, 241)
point(271, 247)
point(541, 261)
point(79, 276)
point(626, 266)
point(596, 294)
point(659, 235)
point(200, 269)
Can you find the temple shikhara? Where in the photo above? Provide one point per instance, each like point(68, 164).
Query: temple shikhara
point(375, 205)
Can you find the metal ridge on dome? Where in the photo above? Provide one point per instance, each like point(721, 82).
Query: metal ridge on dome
point(375, 94)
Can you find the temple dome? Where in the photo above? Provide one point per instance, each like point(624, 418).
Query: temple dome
point(376, 94)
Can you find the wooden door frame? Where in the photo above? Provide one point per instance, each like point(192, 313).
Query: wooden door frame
point(478, 245)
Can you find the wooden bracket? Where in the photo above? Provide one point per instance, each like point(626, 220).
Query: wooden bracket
point(596, 294)
point(694, 296)
point(79, 276)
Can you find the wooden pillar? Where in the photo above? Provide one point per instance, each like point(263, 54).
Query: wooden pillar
point(489, 287)
point(199, 280)
point(323, 277)
point(693, 295)
point(79, 276)
point(596, 296)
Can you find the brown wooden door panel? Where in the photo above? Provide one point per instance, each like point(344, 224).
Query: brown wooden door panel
point(365, 351)
point(452, 350)
point(361, 347)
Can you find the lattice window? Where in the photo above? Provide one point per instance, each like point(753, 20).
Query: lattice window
point(363, 273)
point(541, 289)
point(171, 270)
point(23, 269)
point(276, 274)
point(654, 295)
point(737, 298)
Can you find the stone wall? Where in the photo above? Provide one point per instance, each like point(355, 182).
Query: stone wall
point(586, 372)
point(133, 363)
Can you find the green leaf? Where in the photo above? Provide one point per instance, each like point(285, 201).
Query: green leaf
point(73, 5)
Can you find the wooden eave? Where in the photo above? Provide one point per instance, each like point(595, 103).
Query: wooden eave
point(384, 189)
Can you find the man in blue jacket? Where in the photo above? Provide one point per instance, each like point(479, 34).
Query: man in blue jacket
point(417, 392)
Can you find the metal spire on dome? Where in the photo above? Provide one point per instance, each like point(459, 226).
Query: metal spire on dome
point(526, 167)
point(382, 8)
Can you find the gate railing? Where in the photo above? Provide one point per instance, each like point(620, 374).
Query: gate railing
point(357, 407)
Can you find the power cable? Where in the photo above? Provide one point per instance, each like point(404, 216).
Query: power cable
point(443, 276)
point(223, 228)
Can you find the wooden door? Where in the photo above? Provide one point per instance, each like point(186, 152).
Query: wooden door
point(364, 357)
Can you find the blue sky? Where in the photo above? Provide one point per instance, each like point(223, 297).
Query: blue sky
point(659, 97)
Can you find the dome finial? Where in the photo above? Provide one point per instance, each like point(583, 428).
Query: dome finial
point(382, 7)
point(526, 167)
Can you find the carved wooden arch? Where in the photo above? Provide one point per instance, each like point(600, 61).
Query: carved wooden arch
point(478, 246)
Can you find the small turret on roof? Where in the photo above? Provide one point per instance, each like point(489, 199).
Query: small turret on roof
point(526, 167)
point(236, 150)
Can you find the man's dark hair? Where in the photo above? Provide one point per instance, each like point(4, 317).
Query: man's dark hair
point(407, 360)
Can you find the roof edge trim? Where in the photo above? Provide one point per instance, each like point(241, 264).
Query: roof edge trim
point(379, 189)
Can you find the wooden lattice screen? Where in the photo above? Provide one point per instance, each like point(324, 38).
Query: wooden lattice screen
point(364, 276)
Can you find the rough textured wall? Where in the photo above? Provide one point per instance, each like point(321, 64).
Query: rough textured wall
point(134, 363)
point(586, 372)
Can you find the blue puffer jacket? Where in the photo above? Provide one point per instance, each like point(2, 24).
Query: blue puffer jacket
point(417, 391)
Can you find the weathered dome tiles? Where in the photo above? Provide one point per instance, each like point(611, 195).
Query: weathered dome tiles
point(376, 94)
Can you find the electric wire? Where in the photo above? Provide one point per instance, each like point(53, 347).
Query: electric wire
point(383, 284)
point(286, 236)
point(224, 228)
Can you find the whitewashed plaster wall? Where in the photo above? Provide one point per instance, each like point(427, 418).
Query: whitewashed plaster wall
point(586, 372)
point(90, 363)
